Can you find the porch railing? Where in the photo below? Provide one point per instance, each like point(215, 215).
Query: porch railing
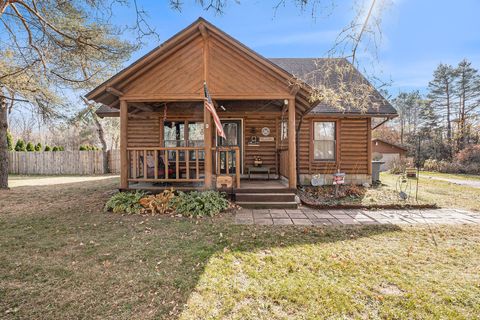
point(166, 164)
point(180, 164)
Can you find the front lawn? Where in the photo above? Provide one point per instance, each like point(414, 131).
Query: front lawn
point(443, 193)
point(62, 257)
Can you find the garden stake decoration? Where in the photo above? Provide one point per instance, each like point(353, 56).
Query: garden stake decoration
point(338, 179)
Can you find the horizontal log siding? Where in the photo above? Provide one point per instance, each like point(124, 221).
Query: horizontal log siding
point(266, 150)
point(354, 146)
point(143, 132)
point(352, 154)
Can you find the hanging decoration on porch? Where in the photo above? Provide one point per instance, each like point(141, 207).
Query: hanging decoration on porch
point(211, 108)
point(165, 112)
point(253, 141)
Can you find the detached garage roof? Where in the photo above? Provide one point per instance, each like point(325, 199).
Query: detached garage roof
point(382, 146)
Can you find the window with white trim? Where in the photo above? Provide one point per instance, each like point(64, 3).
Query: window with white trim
point(324, 140)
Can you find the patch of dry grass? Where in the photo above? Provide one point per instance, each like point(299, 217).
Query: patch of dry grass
point(442, 193)
point(62, 257)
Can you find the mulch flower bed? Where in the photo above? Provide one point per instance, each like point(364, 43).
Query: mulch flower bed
point(356, 197)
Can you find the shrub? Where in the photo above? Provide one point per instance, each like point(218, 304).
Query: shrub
point(55, 149)
point(88, 147)
point(47, 148)
point(451, 167)
point(38, 147)
point(30, 147)
point(20, 146)
point(125, 202)
point(469, 155)
point(398, 166)
point(198, 204)
point(9, 141)
point(158, 204)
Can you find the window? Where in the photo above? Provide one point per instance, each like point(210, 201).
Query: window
point(324, 140)
point(196, 139)
point(174, 135)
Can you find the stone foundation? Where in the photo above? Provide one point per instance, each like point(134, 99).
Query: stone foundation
point(357, 179)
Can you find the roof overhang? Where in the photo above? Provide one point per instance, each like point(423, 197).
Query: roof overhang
point(108, 94)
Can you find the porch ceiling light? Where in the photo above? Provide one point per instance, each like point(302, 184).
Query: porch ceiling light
point(285, 102)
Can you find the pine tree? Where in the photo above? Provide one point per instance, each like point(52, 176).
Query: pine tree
point(467, 88)
point(408, 107)
point(20, 145)
point(441, 92)
point(9, 141)
point(30, 147)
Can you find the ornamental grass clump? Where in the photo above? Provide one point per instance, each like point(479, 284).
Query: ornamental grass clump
point(125, 202)
point(199, 204)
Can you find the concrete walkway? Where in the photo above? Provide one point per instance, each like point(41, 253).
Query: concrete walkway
point(308, 216)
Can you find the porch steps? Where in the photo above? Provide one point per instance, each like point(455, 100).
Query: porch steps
point(266, 198)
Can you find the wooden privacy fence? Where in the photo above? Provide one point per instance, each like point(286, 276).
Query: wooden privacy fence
point(62, 162)
point(114, 161)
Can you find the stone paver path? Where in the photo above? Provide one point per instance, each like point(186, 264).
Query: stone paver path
point(308, 216)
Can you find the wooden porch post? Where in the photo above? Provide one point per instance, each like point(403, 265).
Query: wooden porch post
point(207, 120)
point(123, 144)
point(207, 117)
point(292, 159)
point(369, 146)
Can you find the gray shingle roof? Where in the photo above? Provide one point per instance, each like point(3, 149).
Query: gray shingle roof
point(311, 71)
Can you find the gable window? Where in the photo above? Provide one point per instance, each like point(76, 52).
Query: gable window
point(324, 142)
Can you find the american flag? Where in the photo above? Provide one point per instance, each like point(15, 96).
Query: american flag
point(211, 108)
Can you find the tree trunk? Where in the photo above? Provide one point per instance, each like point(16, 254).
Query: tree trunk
point(401, 130)
point(449, 122)
point(3, 145)
point(101, 137)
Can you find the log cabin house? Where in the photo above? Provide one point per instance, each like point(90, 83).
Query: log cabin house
point(168, 138)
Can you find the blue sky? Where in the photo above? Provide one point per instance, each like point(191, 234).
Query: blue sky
point(417, 34)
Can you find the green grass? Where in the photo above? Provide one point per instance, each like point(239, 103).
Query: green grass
point(61, 257)
point(442, 193)
point(450, 175)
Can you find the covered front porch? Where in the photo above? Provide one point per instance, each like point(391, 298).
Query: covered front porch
point(173, 144)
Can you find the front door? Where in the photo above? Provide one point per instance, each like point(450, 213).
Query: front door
point(233, 131)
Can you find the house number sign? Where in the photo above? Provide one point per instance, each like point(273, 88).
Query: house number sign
point(265, 131)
